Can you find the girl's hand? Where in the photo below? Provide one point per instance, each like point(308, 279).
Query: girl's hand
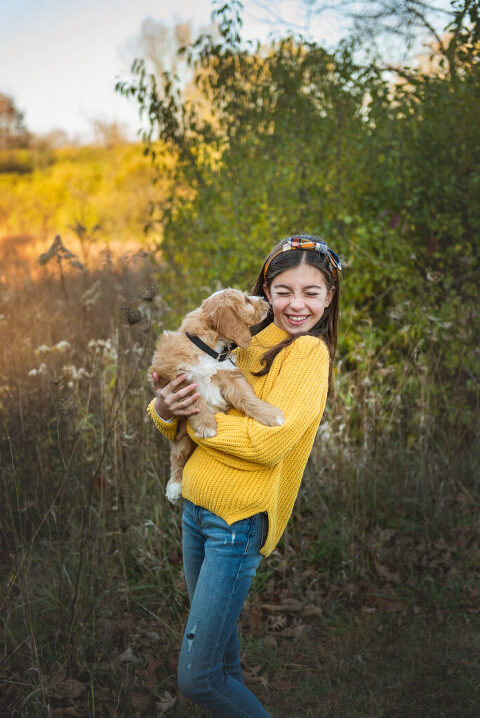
point(170, 403)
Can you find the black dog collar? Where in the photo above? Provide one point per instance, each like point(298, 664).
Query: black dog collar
point(218, 356)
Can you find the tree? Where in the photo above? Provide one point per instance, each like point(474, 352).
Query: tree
point(159, 44)
point(386, 25)
point(13, 132)
point(108, 134)
point(161, 48)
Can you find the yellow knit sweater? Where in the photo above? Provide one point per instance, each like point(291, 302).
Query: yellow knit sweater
point(247, 467)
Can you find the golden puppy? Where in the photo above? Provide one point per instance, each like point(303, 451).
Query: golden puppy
point(200, 348)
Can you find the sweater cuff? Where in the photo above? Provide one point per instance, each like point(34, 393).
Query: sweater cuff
point(166, 421)
point(168, 427)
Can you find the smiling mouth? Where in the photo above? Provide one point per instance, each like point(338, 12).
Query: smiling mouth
point(296, 319)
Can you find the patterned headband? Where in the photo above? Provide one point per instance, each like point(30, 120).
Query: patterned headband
point(308, 241)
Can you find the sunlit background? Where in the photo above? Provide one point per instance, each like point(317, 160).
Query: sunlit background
point(132, 185)
point(60, 59)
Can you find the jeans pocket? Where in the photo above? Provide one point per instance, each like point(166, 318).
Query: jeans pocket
point(264, 516)
point(257, 532)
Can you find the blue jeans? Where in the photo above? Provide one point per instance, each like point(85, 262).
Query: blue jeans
point(220, 562)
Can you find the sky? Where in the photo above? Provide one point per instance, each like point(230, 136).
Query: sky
point(60, 59)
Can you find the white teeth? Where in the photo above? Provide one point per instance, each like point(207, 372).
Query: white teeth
point(296, 319)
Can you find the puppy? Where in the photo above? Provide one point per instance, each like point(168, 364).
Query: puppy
point(200, 348)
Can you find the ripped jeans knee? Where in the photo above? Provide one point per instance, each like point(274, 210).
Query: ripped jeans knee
point(190, 679)
point(220, 562)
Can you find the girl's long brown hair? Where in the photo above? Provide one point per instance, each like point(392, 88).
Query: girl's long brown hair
point(326, 328)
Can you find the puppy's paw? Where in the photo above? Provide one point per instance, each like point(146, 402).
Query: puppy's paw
point(280, 417)
point(206, 433)
point(274, 417)
point(174, 492)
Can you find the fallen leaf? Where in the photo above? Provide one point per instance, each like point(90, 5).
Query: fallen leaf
point(57, 673)
point(385, 572)
point(277, 622)
point(128, 657)
point(473, 609)
point(287, 606)
point(70, 688)
point(252, 674)
point(166, 702)
point(369, 609)
point(281, 685)
point(293, 631)
point(311, 610)
point(139, 700)
point(391, 606)
point(270, 642)
point(150, 671)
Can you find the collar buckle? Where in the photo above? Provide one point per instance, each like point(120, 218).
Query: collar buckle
point(218, 356)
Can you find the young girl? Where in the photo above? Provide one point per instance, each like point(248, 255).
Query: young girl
point(240, 486)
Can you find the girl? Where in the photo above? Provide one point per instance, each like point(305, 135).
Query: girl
point(240, 486)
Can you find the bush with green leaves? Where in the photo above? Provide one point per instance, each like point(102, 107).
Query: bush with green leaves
point(385, 167)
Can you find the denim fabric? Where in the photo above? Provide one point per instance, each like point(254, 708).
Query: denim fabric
point(220, 562)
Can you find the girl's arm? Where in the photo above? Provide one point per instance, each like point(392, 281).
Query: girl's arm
point(300, 390)
point(170, 404)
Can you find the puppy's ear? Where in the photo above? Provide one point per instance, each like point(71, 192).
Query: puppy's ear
point(226, 322)
point(229, 325)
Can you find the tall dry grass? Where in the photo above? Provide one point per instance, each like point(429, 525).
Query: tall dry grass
point(92, 597)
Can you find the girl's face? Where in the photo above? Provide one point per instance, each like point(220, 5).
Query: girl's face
point(298, 296)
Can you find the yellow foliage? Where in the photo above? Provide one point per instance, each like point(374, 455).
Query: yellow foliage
point(108, 190)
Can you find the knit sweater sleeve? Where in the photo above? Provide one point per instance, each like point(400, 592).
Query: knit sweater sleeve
point(300, 390)
point(167, 428)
